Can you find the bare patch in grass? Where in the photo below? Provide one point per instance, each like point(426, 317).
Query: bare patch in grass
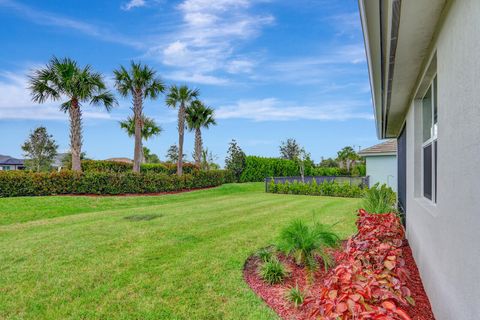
point(143, 217)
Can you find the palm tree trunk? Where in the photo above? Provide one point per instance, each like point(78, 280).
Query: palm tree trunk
point(181, 130)
point(137, 112)
point(75, 135)
point(198, 146)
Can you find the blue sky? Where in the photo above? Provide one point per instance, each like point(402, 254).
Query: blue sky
point(271, 69)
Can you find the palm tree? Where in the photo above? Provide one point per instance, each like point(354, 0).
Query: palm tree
point(149, 129)
point(198, 115)
point(347, 156)
point(63, 78)
point(140, 82)
point(181, 96)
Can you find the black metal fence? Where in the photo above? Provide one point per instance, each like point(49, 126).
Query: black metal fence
point(359, 181)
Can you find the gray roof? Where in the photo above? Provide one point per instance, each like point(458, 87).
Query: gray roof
point(388, 147)
point(7, 160)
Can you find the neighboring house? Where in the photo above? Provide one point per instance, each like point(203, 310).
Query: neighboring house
point(124, 160)
point(381, 162)
point(57, 163)
point(9, 163)
point(423, 58)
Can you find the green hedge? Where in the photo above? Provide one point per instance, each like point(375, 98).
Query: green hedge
point(115, 166)
point(24, 183)
point(259, 168)
point(332, 189)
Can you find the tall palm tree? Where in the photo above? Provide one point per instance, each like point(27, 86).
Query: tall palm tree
point(199, 116)
point(181, 97)
point(149, 129)
point(63, 78)
point(141, 83)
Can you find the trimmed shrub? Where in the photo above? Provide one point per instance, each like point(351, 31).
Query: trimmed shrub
point(118, 167)
point(331, 189)
point(24, 183)
point(258, 168)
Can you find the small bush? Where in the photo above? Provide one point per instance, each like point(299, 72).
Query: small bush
point(295, 296)
point(265, 254)
point(379, 199)
point(331, 189)
point(304, 243)
point(273, 271)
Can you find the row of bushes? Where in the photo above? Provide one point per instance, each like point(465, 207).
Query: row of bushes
point(332, 189)
point(22, 183)
point(115, 166)
point(259, 168)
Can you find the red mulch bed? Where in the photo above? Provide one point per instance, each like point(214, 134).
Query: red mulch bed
point(133, 194)
point(274, 295)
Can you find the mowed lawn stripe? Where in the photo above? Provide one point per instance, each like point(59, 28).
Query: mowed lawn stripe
point(185, 264)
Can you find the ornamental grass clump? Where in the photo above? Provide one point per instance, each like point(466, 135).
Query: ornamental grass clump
point(305, 243)
point(379, 199)
point(273, 271)
point(295, 296)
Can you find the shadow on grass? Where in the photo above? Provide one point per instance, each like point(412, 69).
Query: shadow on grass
point(143, 217)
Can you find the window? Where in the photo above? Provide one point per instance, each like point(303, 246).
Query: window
point(6, 168)
point(429, 141)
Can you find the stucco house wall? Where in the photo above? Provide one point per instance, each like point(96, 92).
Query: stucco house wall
point(444, 236)
point(382, 169)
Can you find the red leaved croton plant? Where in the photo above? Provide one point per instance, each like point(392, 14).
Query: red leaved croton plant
point(370, 280)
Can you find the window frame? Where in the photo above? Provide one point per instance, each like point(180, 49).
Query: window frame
point(432, 141)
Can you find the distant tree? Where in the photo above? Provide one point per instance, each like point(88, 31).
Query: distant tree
point(235, 160)
point(303, 160)
point(150, 157)
point(328, 163)
point(40, 150)
point(140, 82)
point(172, 154)
point(67, 159)
point(181, 97)
point(199, 116)
point(347, 156)
point(149, 129)
point(64, 79)
point(208, 160)
point(290, 149)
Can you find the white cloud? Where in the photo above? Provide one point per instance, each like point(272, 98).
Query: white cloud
point(207, 40)
point(15, 102)
point(272, 109)
point(186, 76)
point(40, 17)
point(133, 4)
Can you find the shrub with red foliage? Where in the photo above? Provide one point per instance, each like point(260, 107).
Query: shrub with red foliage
point(371, 280)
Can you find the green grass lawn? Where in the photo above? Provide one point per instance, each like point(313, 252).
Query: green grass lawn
point(102, 258)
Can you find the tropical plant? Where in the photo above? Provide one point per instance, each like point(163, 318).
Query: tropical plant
point(295, 296)
point(304, 243)
point(379, 199)
point(181, 97)
point(63, 78)
point(235, 160)
point(141, 83)
point(272, 271)
point(150, 157)
point(347, 156)
point(199, 116)
point(40, 150)
point(208, 160)
point(149, 129)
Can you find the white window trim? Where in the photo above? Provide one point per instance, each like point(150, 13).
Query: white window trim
point(431, 141)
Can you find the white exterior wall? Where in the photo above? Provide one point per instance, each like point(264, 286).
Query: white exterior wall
point(383, 170)
point(445, 237)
